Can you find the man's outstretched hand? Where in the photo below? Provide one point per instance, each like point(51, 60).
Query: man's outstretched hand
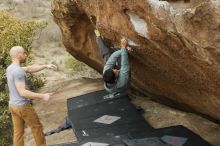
point(97, 33)
point(51, 66)
point(47, 96)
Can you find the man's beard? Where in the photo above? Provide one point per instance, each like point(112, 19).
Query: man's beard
point(22, 60)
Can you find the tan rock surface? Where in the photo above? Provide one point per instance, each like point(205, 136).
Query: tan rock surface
point(178, 52)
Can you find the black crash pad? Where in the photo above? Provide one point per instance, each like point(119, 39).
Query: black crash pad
point(178, 131)
point(130, 129)
point(97, 105)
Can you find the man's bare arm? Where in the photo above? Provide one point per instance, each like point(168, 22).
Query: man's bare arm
point(37, 68)
point(29, 94)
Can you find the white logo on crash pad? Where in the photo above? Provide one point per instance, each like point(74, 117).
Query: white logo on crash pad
point(106, 119)
point(95, 144)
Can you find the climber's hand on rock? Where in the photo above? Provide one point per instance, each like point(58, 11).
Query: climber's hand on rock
point(97, 33)
point(124, 43)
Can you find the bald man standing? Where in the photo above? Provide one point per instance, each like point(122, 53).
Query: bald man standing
point(20, 98)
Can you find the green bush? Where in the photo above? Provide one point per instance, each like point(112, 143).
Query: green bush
point(13, 32)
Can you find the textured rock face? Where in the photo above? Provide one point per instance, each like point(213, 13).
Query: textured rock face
point(177, 52)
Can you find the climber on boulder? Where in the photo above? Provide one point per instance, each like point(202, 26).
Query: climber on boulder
point(116, 72)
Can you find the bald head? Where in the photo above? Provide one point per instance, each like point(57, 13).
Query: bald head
point(18, 54)
point(15, 51)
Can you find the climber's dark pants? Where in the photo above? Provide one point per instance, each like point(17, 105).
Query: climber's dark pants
point(104, 50)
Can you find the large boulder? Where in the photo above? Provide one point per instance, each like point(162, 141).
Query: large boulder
point(177, 45)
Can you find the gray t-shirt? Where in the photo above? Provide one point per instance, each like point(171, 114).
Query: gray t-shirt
point(14, 74)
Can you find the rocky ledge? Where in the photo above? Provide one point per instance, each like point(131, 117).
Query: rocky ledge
point(176, 45)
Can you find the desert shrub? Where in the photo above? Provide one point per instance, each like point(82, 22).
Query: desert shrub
point(13, 32)
point(78, 69)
